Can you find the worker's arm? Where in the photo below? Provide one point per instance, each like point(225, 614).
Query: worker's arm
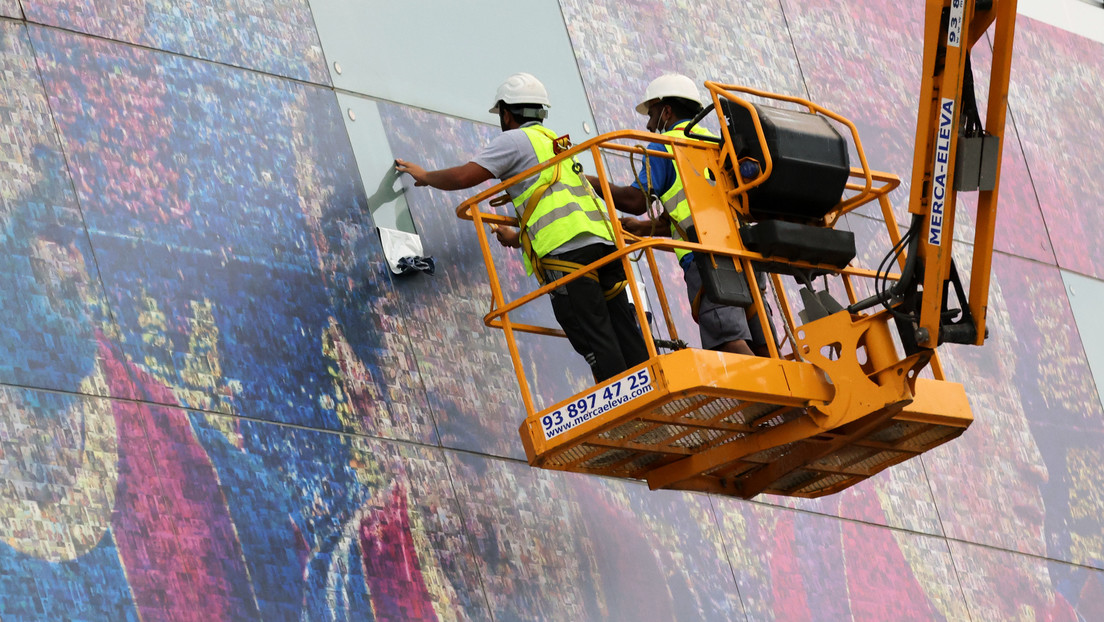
point(655, 227)
point(509, 237)
point(455, 178)
point(627, 199)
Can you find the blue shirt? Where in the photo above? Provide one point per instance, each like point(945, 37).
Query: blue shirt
point(663, 172)
point(663, 177)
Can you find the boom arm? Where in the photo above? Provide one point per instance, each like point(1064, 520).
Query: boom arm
point(946, 153)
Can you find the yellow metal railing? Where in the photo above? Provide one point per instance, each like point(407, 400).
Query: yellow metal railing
point(864, 187)
point(839, 397)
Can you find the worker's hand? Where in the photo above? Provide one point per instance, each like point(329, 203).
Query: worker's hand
point(508, 236)
point(415, 171)
point(636, 226)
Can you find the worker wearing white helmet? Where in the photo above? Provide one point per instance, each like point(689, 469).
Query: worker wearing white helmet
point(669, 102)
point(564, 228)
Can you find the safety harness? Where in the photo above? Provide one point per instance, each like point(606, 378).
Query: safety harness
point(543, 264)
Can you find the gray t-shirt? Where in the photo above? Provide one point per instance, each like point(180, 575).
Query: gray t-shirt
point(510, 153)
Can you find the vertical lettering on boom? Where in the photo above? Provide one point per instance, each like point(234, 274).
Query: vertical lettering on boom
point(939, 172)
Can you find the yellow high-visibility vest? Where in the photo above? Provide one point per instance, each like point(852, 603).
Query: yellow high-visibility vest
point(674, 200)
point(565, 206)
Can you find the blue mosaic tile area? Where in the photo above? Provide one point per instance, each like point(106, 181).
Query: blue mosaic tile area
point(52, 300)
point(555, 546)
point(466, 367)
point(275, 37)
point(129, 511)
point(218, 403)
point(230, 227)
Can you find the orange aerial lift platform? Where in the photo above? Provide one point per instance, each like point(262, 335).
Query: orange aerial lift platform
point(849, 387)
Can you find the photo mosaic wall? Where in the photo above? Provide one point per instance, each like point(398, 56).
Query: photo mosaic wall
point(217, 402)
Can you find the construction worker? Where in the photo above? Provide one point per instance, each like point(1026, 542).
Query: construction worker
point(669, 102)
point(563, 226)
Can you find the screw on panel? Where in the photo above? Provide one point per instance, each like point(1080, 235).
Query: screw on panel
point(337, 67)
point(352, 115)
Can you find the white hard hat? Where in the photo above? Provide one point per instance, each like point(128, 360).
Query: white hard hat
point(669, 85)
point(521, 88)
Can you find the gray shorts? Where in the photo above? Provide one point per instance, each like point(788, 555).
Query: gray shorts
point(719, 324)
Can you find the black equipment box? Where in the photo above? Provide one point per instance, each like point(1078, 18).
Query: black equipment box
point(811, 164)
point(797, 242)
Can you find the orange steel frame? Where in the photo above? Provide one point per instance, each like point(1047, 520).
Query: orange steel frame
point(943, 73)
point(839, 404)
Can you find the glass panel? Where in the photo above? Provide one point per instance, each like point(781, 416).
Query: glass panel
point(1083, 17)
point(376, 164)
point(52, 302)
point(1000, 585)
point(835, 569)
point(1055, 98)
point(276, 36)
point(1086, 298)
point(387, 204)
point(1021, 477)
point(451, 56)
point(612, 550)
point(231, 232)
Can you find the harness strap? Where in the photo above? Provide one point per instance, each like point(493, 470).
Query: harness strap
point(523, 223)
point(539, 264)
point(567, 267)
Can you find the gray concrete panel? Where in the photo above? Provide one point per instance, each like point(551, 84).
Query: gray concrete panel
point(231, 231)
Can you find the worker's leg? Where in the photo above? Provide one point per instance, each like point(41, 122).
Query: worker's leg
point(580, 308)
point(738, 346)
point(758, 343)
point(722, 327)
point(570, 325)
point(623, 317)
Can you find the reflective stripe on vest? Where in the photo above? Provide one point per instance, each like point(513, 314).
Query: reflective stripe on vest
point(566, 209)
point(674, 200)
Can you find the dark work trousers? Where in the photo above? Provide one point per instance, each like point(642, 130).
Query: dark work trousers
point(605, 332)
